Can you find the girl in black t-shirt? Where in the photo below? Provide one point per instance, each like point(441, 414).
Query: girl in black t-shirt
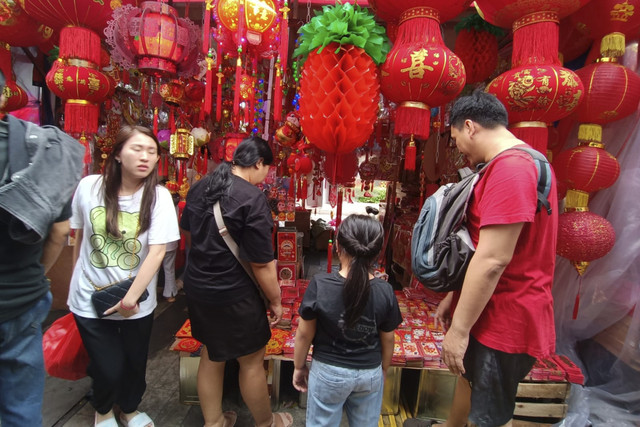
point(349, 316)
point(225, 308)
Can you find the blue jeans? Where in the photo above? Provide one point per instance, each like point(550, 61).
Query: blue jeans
point(331, 388)
point(22, 367)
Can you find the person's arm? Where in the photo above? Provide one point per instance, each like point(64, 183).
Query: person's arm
point(443, 312)
point(267, 278)
point(76, 247)
point(496, 245)
point(386, 342)
point(148, 269)
point(54, 243)
point(304, 337)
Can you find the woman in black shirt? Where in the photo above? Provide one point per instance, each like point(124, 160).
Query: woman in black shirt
point(226, 310)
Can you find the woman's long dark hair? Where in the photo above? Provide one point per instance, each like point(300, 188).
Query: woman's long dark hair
point(112, 179)
point(247, 154)
point(361, 237)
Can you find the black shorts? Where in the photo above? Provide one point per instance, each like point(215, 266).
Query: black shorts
point(230, 331)
point(494, 377)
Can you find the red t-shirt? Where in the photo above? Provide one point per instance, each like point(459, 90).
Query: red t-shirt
point(519, 316)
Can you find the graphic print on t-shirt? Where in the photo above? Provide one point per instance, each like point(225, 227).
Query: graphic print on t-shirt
point(110, 252)
point(360, 333)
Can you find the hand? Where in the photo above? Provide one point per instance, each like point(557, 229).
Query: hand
point(124, 312)
point(301, 378)
point(454, 347)
point(276, 312)
point(443, 313)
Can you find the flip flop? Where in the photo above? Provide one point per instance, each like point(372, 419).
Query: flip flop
point(109, 422)
point(415, 422)
point(141, 419)
point(285, 418)
point(230, 418)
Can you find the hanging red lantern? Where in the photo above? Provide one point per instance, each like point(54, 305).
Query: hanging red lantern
point(584, 237)
point(246, 86)
point(154, 39)
point(15, 96)
point(194, 90)
point(587, 168)
point(231, 142)
point(420, 71)
point(609, 20)
point(19, 29)
point(391, 10)
point(503, 13)
point(341, 169)
point(338, 98)
point(259, 16)
point(572, 41)
point(172, 92)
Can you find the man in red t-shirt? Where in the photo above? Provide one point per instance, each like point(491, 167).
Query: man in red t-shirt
point(503, 316)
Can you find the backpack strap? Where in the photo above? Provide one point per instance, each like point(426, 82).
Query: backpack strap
point(544, 177)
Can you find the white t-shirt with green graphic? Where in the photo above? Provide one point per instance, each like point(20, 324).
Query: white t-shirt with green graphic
point(105, 260)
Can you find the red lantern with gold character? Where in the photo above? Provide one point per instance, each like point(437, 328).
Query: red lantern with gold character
point(15, 97)
point(259, 17)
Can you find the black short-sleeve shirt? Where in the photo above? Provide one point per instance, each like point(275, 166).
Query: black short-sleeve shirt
point(213, 274)
point(357, 347)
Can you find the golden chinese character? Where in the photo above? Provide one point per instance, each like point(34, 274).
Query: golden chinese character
point(417, 68)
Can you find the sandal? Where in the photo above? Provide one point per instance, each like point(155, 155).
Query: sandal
point(109, 422)
point(285, 418)
point(141, 419)
point(230, 418)
point(415, 422)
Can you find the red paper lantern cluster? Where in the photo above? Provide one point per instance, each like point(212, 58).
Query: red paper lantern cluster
point(338, 98)
point(478, 51)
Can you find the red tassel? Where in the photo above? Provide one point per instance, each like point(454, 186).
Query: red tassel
point(208, 86)
point(329, 255)
point(236, 95)
point(284, 37)
point(181, 205)
point(304, 189)
point(536, 134)
point(87, 151)
point(172, 121)
point(277, 95)
point(413, 120)
point(410, 156)
point(206, 32)
point(535, 43)
point(339, 207)
point(80, 116)
point(576, 304)
point(292, 187)
point(80, 43)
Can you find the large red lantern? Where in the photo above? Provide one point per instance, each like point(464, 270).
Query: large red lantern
point(420, 72)
point(503, 13)
point(587, 168)
point(19, 29)
point(338, 98)
point(154, 39)
point(259, 17)
point(478, 51)
point(391, 10)
point(15, 97)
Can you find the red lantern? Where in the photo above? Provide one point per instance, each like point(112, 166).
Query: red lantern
point(83, 88)
point(15, 97)
point(19, 29)
point(231, 142)
point(154, 39)
point(613, 92)
point(259, 16)
point(584, 237)
point(586, 168)
point(172, 92)
point(338, 98)
point(611, 20)
point(246, 86)
point(194, 90)
point(420, 71)
point(341, 169)
point(503, 13)
point(391, 10)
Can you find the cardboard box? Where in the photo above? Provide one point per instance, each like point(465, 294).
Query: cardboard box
point(287, 270)
point(287, 245)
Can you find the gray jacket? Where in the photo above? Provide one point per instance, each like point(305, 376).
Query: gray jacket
point(45, 165)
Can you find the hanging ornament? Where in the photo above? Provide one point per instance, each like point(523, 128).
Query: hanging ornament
point(477, 47)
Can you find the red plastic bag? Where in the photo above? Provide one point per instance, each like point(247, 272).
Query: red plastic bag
point(64, 353)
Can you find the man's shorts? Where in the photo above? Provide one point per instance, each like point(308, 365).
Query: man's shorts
point(494, 378)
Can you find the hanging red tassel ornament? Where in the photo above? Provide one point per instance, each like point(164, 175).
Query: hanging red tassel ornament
point(87, 151)
point(172, 121)
point(219, 75)
point(304, 189)
point(155, 121)
point(209, 79)
point(410, 155)
point(329, 255)
point(277, 94)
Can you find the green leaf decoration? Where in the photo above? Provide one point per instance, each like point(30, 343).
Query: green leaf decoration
point(475, 21)
point(347, 25)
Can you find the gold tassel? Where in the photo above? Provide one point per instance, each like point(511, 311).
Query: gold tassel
point(588, 133)
point(580, 266)
point(612, 45)
point(576, 201)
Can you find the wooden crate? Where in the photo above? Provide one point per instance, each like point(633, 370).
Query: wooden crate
point(541, 403)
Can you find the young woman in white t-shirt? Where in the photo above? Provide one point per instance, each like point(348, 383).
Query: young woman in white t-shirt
point(123, 221)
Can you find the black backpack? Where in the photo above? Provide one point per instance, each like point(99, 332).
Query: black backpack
point(441, 247)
